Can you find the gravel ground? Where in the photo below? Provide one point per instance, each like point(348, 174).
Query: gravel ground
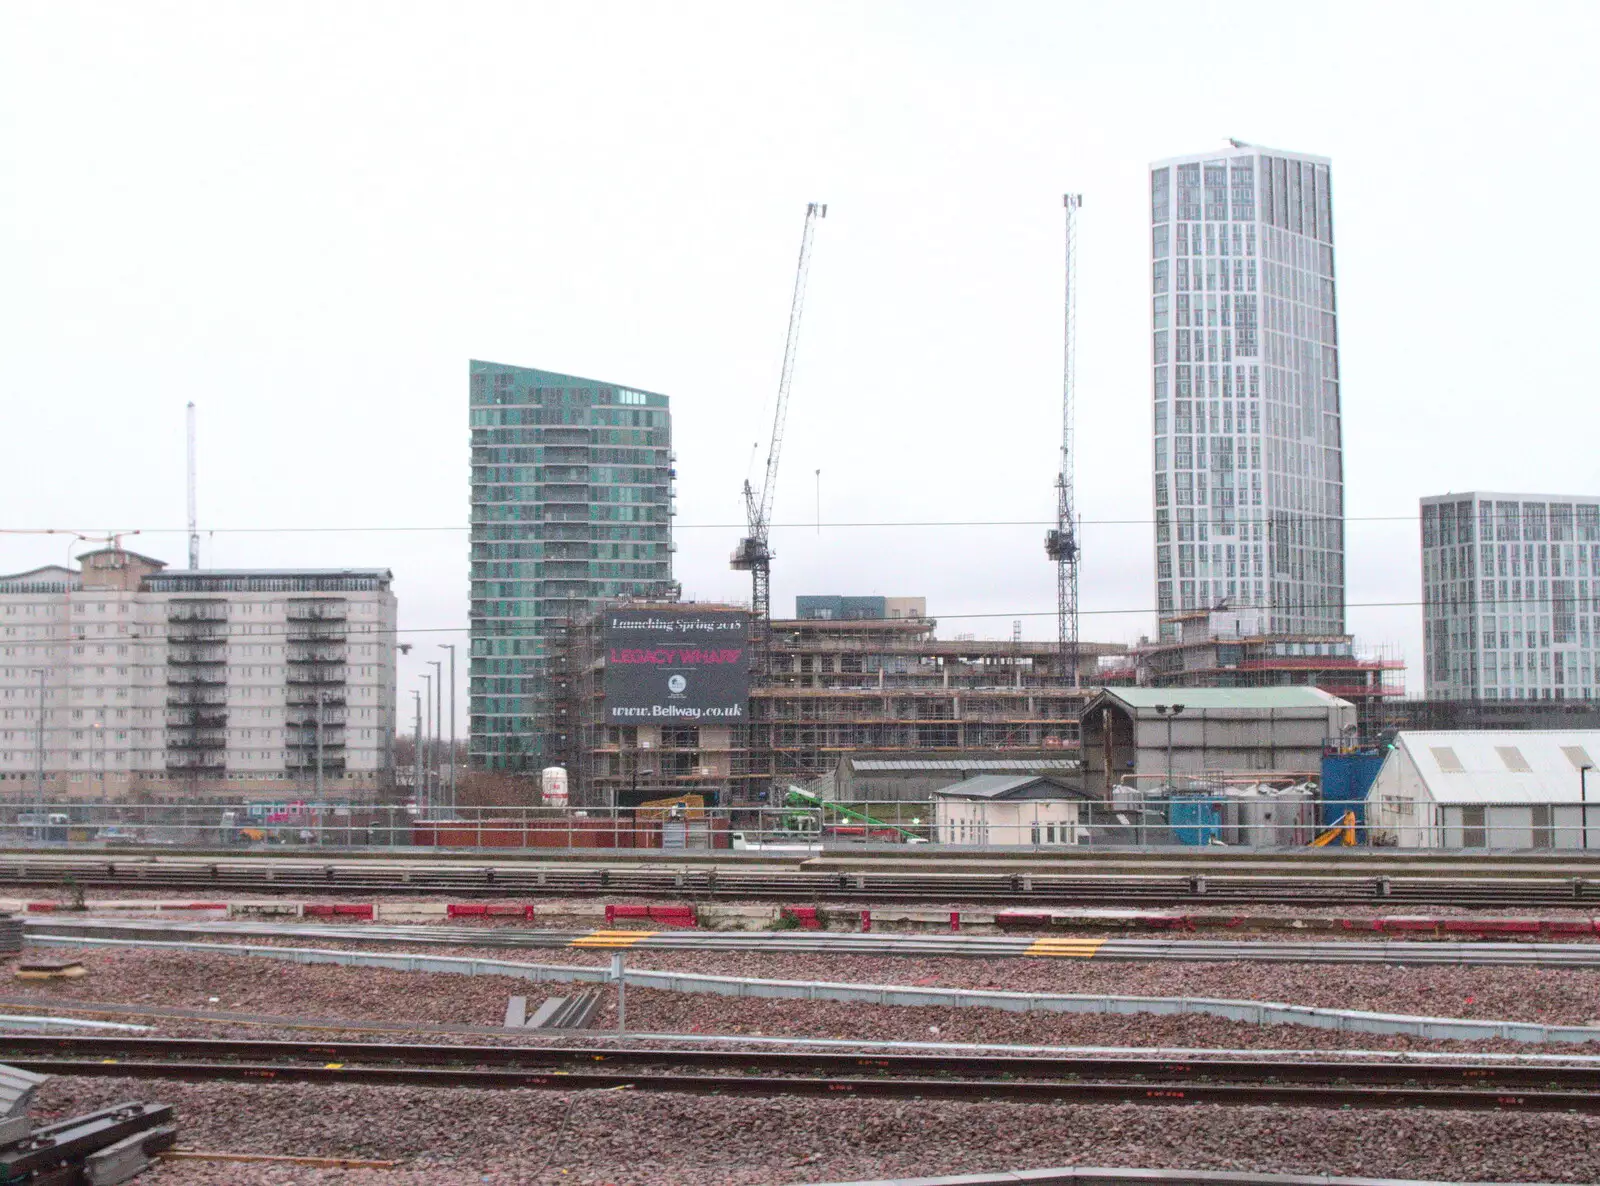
point(451, 1137)
point(155, 977)
point(1557, 996)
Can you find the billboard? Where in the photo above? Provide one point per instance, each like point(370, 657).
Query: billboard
point(666, 667)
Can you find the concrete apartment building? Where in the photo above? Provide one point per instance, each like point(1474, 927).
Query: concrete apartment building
point(216, 685)
point(1249, 470)
point(1511, 596)
point(571, 506)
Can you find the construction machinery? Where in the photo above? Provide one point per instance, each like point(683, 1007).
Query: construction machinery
point(1344, 831)
point(754, 553)
point(1061, 542)
point(814, 814)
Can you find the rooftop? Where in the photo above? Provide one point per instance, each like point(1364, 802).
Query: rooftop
point(1512, 766)
point(1221, 698)
point(1000, 786)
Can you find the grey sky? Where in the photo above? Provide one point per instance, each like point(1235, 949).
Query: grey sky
point(307, 217)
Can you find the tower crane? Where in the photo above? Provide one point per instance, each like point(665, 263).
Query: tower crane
point(754, 552)
point(1061, 543)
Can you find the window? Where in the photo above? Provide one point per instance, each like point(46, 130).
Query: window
point(1578, 756)
point(1446, 759)
point(1512, 757)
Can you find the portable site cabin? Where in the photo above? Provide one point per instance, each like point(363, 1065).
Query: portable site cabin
point(1518, 789)
point(1001, 810)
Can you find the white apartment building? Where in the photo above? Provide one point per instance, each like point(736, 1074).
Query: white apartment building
point(1249, 468)
point(124, 679)
point(1511, 596)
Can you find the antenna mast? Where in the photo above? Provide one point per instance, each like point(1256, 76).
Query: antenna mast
point(194, 513)
point(1061, 544)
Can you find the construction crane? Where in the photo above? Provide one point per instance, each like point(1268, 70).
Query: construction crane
point(754, 552)
point(1061, 543)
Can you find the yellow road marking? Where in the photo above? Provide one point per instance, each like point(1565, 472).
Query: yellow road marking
point(610, 939)
point(1065, 948)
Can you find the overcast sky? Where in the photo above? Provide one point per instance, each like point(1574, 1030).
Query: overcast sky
point(306, 218)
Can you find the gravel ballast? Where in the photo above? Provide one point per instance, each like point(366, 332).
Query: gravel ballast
point(451, 1137)
point(255, 986)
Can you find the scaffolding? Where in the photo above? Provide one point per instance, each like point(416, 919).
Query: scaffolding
point(831, 688)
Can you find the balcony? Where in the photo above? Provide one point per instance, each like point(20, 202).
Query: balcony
point(214, 656)
point(308, 720)
point(194, 719)
point(316, 676)
point(178, 611)
point(195, 679)
point(311, 697)
point(202, 631)
point(188, 741)
point(331, 764)
point(321, 654)
point(313, 611)
point(308, 740)
point(316, 631)
point(197, 699)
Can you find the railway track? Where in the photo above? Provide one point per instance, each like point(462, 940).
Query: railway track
point(869, 944)
point(488, 876)
point(1232, 1081)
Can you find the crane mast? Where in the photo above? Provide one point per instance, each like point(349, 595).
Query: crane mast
point(754, 552)
point(1061, 543)
point(194, 513)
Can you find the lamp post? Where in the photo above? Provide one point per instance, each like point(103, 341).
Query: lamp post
point(427, 722)
point(438, 713)
point(1168, 712)
point(1583, 796)
point(451, 647)
point(416, 753)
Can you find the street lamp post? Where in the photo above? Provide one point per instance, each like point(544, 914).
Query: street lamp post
point(427, 722)
point(1583, 796)
point(1169, 712)
point(38, 773)
point(416, 753)
point(438, 714)
point(451, 647)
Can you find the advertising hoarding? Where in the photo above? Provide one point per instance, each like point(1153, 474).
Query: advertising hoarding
point(678, 666)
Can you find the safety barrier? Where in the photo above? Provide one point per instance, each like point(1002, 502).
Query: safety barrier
point(1255, 1012)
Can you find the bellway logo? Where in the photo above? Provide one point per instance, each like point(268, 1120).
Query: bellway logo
point(676, 684)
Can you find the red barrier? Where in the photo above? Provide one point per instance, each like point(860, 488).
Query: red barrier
point(342, 909)
point(866, 920)
point(674, 916)
point(43, 907)
point(806, 916)
point(955, 920)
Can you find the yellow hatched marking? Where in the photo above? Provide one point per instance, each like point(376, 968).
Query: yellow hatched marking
point(610, 939)
point(1065, 948)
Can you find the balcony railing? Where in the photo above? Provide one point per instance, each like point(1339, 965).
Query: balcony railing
point(316, 675)
point(304, 612)
point(190, 679)
point(192, 719)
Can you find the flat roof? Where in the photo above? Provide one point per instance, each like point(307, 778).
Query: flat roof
point(956, 765)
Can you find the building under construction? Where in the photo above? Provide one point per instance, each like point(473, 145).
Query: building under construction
point(832, 687)
point(1230, 649)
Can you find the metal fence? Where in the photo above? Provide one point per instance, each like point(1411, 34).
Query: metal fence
point(1154, 821)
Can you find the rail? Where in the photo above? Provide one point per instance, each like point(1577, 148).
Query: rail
point(1323, 877)
point(1339, 1084)
point(989, 947)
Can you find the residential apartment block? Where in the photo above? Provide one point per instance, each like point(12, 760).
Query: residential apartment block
point(1249, 469)
point(571, 505)
point(1511, 596)
point(123, 679)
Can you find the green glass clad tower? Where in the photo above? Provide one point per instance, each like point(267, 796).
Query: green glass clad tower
point(571, 505)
